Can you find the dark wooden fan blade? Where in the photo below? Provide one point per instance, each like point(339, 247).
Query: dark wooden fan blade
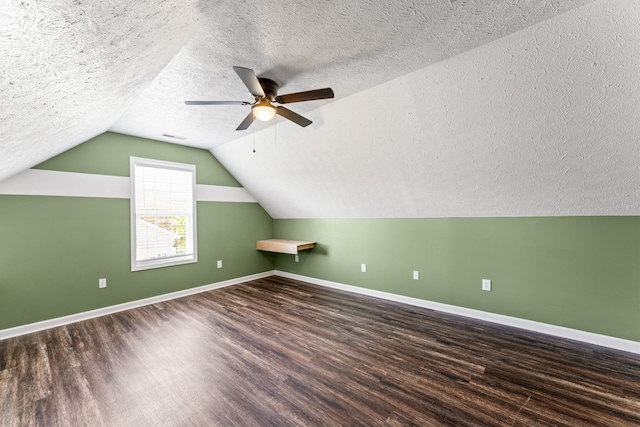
point(294, 117)
point(308, 95)
point(246, 122)
point(250, 80)
point(217, 102)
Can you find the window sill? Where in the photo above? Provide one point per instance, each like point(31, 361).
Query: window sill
point(166, 262)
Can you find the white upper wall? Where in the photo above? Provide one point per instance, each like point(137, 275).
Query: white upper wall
point(543, 122)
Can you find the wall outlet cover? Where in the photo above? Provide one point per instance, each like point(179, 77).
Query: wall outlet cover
point(363, 268)
point(102, 283)
point(219, 264)
point(416, 275)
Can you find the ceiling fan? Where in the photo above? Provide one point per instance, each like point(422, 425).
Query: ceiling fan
point(265, 93)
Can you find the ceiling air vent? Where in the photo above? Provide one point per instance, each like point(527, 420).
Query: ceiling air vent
point(168, 135)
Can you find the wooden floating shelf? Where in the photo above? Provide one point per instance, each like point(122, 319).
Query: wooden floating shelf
point(283, 246)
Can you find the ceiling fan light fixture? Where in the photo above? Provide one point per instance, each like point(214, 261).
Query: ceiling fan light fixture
point(264, 92)
point(264, 111)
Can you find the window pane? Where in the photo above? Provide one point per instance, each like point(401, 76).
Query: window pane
point(163, 237)
point(163, 189)
point(163, 213)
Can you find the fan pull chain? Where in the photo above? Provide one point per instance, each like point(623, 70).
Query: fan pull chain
point(253, 131)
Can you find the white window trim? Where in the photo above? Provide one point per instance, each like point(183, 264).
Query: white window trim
point(165, 262)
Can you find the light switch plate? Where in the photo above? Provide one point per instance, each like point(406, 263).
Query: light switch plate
point(486, 285)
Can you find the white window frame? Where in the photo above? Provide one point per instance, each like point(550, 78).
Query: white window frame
point(137, 265)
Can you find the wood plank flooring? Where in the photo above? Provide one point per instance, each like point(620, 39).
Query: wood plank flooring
point(277, 352)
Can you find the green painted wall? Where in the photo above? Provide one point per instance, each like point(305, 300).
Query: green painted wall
point(108, 154)
point(577, 272)
point(54, 249)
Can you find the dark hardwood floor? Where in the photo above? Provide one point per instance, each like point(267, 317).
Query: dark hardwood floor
point(276, 352)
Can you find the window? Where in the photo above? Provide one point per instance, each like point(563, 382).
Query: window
point(163, 214)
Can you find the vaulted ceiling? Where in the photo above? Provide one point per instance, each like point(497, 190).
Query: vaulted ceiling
point(442, 108)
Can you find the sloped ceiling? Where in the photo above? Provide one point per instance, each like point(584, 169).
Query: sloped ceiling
point(70, 68)
point(543, 122)
point(442, 108)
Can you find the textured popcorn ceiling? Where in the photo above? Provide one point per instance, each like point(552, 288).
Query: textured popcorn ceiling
point(543, 122)
point(349, 45)
point(70, 68)
point(463, 108)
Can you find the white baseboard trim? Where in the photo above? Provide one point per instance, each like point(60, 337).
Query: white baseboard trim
point(65, 320)
point(558, 331)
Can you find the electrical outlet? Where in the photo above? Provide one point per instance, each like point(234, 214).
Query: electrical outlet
point(416, 275)
point(486, 285)
point(219, 263)
point(102, 283)
point(297, 258)
point(363, 268)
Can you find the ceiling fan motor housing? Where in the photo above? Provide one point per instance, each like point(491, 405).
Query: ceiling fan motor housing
point(270, 88)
